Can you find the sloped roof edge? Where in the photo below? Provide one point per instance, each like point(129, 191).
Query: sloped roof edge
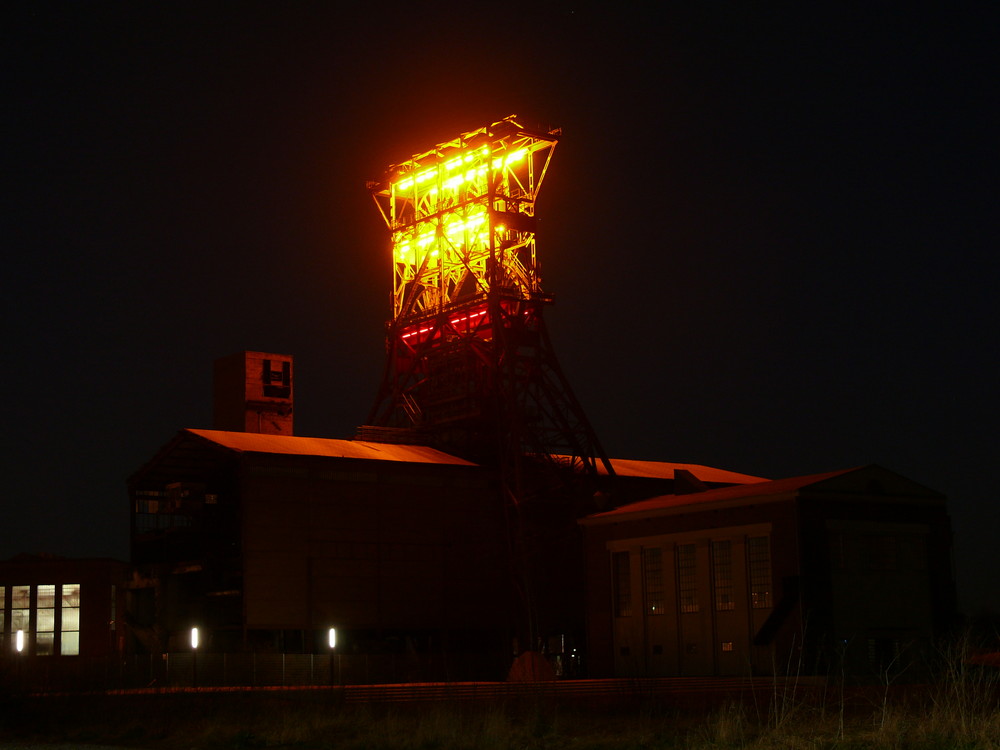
point(251, 442)
point(665, 504)
point(625, 467)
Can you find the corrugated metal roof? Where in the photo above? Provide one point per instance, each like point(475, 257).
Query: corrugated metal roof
point(250, 442)
point(664, 503)
point(665, 470)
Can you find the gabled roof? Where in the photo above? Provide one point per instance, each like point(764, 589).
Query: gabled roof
point(625, 467)
point(191, 452)
point(863, 480)
point(251, 442)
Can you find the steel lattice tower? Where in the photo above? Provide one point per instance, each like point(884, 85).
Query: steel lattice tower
point(470, 366)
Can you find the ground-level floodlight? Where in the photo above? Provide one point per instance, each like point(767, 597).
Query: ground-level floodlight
point(19, 641)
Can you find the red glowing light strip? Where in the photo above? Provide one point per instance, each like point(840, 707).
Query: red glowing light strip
point(451, 322)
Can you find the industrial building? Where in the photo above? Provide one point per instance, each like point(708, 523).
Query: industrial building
point(54, 606)
point(848, 570)
point(476, 516)
point(266, 541)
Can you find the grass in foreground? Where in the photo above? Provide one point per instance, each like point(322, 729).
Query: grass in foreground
point(936, 720)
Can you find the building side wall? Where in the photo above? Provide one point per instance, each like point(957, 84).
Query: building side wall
point(691, 637)
point(254, 392)
point(394, 547)
point(88, 624)
point(861, 581)
point(882, 582)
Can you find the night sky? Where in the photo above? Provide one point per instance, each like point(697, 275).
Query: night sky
point(770, 229)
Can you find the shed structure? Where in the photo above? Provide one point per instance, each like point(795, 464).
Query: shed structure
point(849, 569)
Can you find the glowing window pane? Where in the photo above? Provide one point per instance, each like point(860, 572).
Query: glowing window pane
point(70, 619)
point(20, 597)
point(45, 644)
point(46, 596)
point(19, 619)
point(71, 594)
point(46, 620)
point(69, 644)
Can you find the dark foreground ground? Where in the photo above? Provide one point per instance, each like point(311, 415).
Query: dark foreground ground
point(921, 719)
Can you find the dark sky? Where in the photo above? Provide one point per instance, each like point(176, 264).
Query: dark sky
point(771, 230)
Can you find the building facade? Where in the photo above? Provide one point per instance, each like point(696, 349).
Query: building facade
point(61, 607)
point(849, 569)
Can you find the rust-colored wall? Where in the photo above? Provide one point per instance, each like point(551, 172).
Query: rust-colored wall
point(254, 392)
point(99, 579)
point(356, 545)
point(819, 610)
point(684, 643)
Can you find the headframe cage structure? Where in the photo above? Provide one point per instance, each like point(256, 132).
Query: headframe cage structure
point(469, 361)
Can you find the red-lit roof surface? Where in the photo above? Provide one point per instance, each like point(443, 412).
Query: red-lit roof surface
point(251, 442)
point(665, 503)
point(625, 467)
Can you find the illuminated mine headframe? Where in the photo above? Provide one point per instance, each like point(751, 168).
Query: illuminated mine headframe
point(462, 218)
point(469, 364)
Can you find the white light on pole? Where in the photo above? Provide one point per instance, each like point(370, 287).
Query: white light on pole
point(19, 641)
point(194, 638)
point(332, 638)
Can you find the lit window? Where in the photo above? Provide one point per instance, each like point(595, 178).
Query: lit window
point(20, 609)
point(45, 620)
point(759, 559)
point(722, 575)
point(623, 584)
point(69, 635)
point(652, 574)
point(687, 577)
point(727, 645)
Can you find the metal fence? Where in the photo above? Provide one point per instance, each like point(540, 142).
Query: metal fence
point(192, 669)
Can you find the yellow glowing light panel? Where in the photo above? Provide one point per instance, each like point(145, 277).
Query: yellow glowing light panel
point(462, 218)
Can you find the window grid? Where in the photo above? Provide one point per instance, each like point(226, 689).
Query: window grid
point(20, 611)
point(759, 562)
point(47, 614)
point(652, 572)
point(45, 619)
point(69, 632)
point(623, 584)
point(687, 577)
point(722, 575)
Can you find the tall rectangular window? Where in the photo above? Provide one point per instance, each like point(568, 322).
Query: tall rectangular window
point(759, 563)
point(722, 575)
point(652, 576)
point(45, 620)
point(687, 577)
point(20, 611)
point(69, 629)
point(623, 584)
point(880, 552)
